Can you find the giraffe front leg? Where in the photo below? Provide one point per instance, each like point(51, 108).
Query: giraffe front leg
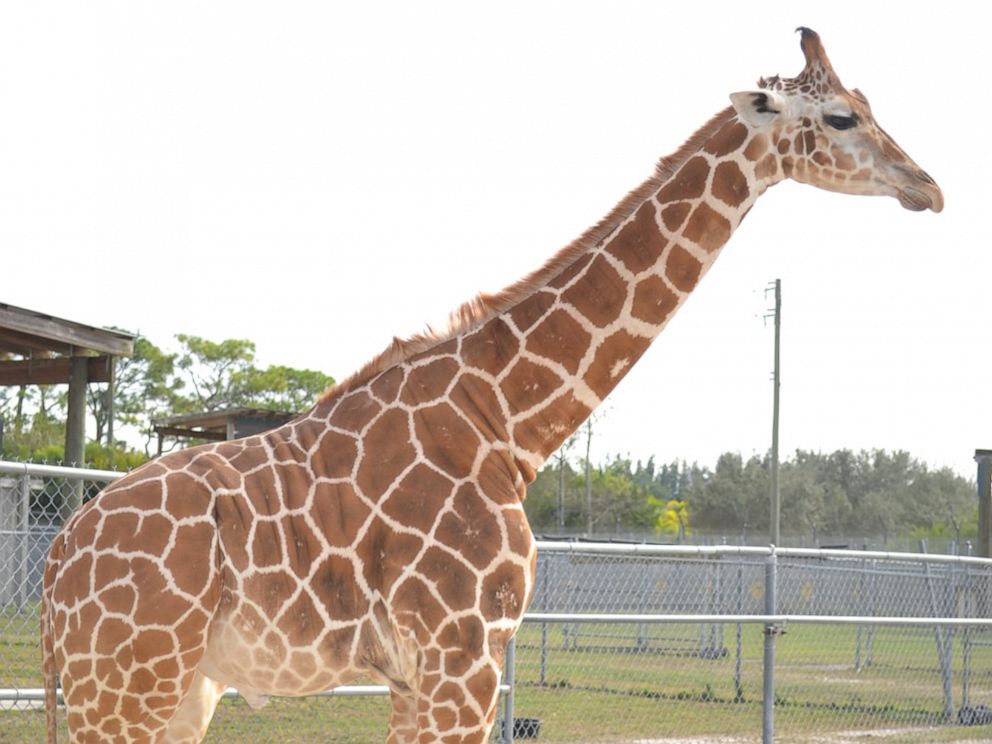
point(454, 697)
point(450, 711)
point(189, 723)
point(459, 709)
point(403, 718)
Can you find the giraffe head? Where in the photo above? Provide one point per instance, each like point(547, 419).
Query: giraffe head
point(825, 135)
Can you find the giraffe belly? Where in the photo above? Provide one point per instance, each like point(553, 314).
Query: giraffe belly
point(259, 659)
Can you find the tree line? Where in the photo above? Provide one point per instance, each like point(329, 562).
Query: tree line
point(874, 494)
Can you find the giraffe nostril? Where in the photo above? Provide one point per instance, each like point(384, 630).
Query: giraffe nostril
point(925, 177)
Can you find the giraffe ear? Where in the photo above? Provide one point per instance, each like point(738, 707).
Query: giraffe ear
point(757, 107)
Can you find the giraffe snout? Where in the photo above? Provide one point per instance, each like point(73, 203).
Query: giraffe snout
point(919, 191)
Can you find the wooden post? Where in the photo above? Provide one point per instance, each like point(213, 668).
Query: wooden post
point(111, 383)
point(75, 430)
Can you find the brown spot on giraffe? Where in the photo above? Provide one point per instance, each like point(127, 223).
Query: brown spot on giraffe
point(338, 513)
point(767, 168)
point(447, 440)
point(639, 243)
point(728, 140)
point(598, 294)
point(545, 429)
point(528, 384)
point(682, 269)
point(654, 302)
point(707, 228)
point(674, 215)
point(475, 399)
point(567, 275)
point(688, 183)
point(602, 375)
point(730, 184)
point(470, 517)
point(560, 338)
point(418, 498)
point(532, 309)
point(455, 582)
point(757, 147)
point(387, 452)
point(490, 348)
point(429, 382)
point(387, 386)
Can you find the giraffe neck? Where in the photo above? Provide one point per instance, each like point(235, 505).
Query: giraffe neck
point(521, 371)
point(575, 337)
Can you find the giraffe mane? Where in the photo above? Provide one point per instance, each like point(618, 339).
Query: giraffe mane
point(484, 306)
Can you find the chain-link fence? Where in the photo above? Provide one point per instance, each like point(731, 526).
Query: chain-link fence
point(632, 643)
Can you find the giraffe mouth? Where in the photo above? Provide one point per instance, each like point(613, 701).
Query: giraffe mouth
point(917, 200)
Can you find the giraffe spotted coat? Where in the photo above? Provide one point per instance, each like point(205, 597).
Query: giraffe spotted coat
point(383, 532)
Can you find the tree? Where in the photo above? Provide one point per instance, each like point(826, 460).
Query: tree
point(144, 388)
point(34, 424)
point(285, 388)
point(673, 519)
point(733, 498)
point(216, 375)
point(213, 375)
point(619, 503)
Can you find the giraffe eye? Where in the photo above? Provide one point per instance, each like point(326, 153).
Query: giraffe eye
point(841, 122)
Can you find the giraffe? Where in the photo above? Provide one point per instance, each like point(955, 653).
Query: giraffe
point(383, 532)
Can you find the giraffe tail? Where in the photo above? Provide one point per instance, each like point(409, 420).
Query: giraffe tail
point(49, 671)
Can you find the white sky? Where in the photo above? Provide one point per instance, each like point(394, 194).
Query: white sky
point(320, 176)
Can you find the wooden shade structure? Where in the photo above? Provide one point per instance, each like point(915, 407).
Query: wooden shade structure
point(40, 349)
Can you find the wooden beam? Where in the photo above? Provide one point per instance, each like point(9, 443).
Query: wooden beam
point(55, 371)
point(206, 420)
point(66, 331)
point(27, 345)
point(172, 431)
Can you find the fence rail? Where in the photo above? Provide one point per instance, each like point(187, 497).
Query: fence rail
point(628, 641)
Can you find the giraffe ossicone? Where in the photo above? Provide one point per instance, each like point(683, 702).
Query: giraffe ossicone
point(382, 533)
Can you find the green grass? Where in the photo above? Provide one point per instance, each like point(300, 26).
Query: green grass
point(609, 689)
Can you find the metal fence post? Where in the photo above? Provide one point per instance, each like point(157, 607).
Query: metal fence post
point(768, 669)
point(943, 640)
point(509, 675)
point(543, 672)
point(23, 535)
point(872, 599)
point(965, 608)
point(858, 631)
point(739, 635)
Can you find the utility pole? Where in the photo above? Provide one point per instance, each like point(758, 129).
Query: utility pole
point(776, 384)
